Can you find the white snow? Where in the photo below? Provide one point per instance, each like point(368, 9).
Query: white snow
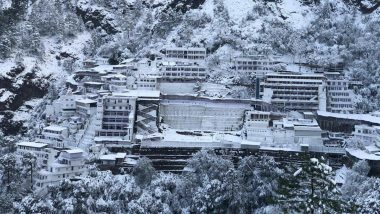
point(296, 173)
point(32, 144)
point(5, 95)
point(238, 9)
point(360, 117)
point(363, 155)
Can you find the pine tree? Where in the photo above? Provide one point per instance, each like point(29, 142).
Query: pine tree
point(5, 47)
point(29, 162)
point(311, 189)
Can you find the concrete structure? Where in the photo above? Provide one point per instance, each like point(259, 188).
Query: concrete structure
point(85, 107)
point(187, 113)
point(115, 82)
point(54, 135)
point(295, 91)
point(253, 64)
point(181, 71)
point(367, 134)
point(147, 82)
point(338, 122)
point(185, 53)
point(262, 127)
point(339, 96)
point(112, 159)
point(115, 116)
point(70, 164)
point(41, 151)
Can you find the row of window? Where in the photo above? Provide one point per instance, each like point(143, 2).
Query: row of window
point(119, 107)
point(184, 56)
point(185, 69)
point(115, 120)
point(341, 105)
point(253, 63)
point(117, 101)
point(114, 127)
point(341, 99)
point(116, 113)
point(295, 77)
point(185, 74)
point(342, 94)
point(185, 52)
point(337, 88)
point(294, 83)
point(114, 134)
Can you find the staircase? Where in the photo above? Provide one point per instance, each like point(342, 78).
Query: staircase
point(88, 135)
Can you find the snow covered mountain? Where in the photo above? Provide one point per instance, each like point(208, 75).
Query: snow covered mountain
point(42, 41)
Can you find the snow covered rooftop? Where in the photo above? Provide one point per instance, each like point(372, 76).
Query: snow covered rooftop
point(74, 151)
point(363, 117)
point(86, 101)
point(55, 128)
point(139, 93)
point(32, 144)
point(113, 156)
point(363, 155)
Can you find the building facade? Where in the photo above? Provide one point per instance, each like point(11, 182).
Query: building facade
point(69, 164)
point(295, 91)
point(115, 116)
point(186, 53)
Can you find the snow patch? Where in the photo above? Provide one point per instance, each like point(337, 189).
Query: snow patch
point(238, 9)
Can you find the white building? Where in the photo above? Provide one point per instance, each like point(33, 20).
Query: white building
point(115, 116)
point(55, 135)
point(260, 127)
point(41, 151)
point(181, 70)
point(147, 81)
point(339, 96)
point(69, 164)
point(185, 53)
point(115, 82)
point(85, 107)
point(252, 64)
point(257, 126)
point(64, 106)
point(295, 91)
point(367, 134)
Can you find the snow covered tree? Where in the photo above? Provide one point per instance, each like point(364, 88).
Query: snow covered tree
point(29, 163)
point(311, 189)
point(10, 170)
point(5, 47)
point(260, 180)
point(143, 171)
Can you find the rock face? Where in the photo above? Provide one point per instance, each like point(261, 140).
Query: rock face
point(94, 17)
point(23, 88)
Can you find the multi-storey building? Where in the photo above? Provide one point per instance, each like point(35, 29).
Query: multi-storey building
point(147, 81)
point(253, 64)
point(295, 91)
point(69, 164)
point(115, 82)
point(85, 107)
point(263, 127)
point(338, 94)
point(185, 53)
point(181, 71)
point(366, 133)
point(54, 135)
point(115, 116)
point(38, 149)
point(257, 126)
